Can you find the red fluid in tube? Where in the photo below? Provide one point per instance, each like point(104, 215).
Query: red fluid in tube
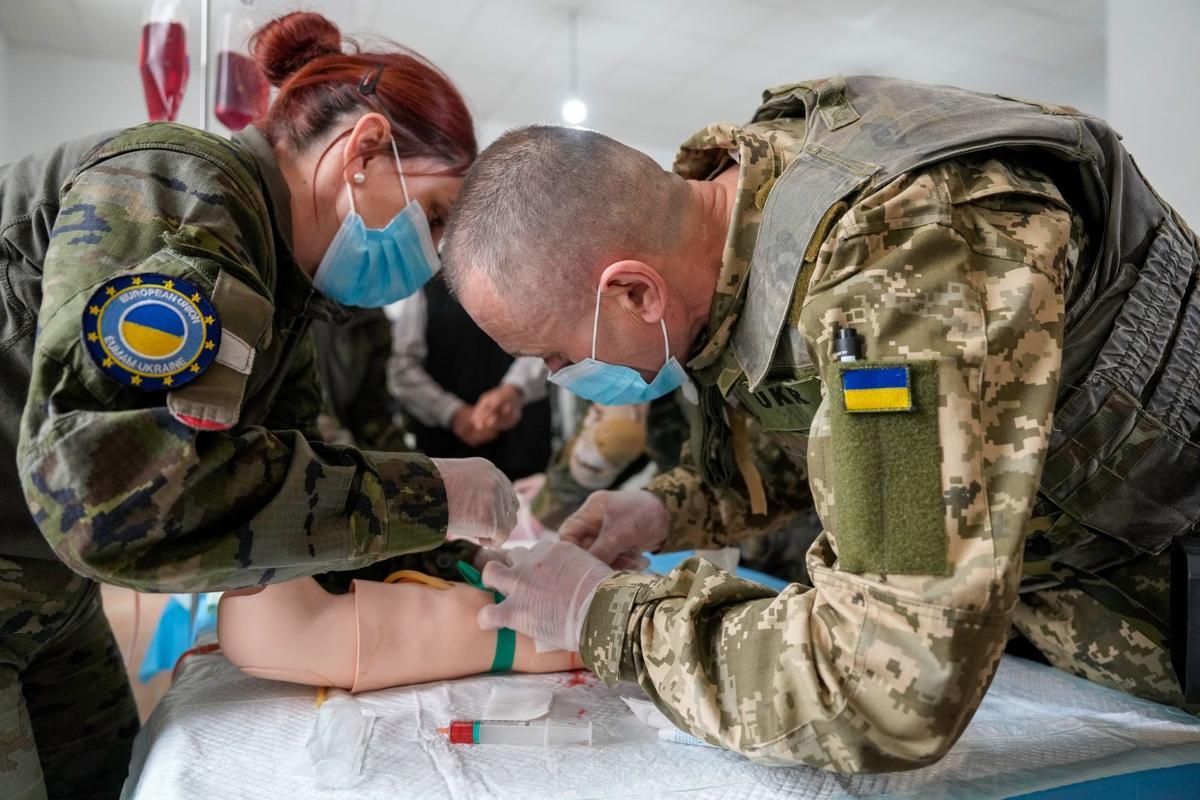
point(242, 92)
point(462, 732)
point(163, 62)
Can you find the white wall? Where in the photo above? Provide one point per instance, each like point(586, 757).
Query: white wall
point(1153, 71)
point(53, 96)
point(488, 131)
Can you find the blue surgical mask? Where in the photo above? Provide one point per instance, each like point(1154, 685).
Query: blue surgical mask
point(615, 385)
point(372, 267)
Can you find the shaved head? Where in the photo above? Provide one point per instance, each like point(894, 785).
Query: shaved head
point(558, 227)
point(545, 208)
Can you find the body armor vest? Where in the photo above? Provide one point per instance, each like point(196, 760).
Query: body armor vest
point(1123, 463)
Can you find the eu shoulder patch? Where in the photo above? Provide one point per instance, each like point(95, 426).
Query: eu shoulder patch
point(151, 332)
point(876, 388)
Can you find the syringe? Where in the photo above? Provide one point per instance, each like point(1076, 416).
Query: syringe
point(501, 731)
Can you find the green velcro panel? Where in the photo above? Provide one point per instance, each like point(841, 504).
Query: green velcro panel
point(782, 406)
point(506, 638)
point(887, 480)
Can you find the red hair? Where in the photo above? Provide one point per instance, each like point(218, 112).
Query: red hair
point(302, 54)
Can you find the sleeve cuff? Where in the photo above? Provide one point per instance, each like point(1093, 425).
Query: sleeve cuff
point(681, 534)
point(451, 408)
point(604, 646)
point(415, 498)
point(518, 384)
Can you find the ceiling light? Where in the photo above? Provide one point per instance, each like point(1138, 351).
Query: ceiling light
point(574, 112)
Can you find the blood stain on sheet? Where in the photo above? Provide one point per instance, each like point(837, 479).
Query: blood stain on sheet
point(581, 712)
point(578, 678)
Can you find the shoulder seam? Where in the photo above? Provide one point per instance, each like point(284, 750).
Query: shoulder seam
point(949, 225)
point(99, 158)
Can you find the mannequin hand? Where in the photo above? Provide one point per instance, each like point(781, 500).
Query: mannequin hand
point(483, 505)
point(617, 527)
point(548, 589)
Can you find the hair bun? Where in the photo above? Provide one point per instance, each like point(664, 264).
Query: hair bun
point(287, 43)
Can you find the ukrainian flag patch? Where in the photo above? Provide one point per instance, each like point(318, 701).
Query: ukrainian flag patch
point(877, 388)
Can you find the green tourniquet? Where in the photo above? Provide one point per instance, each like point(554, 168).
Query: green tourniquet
point(506, 638)
point(887, 476)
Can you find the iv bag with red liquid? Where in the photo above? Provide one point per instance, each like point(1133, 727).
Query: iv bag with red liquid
point(163, 59)
point(242, 91)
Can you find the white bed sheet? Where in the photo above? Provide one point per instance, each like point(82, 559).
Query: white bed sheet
point(221, 734)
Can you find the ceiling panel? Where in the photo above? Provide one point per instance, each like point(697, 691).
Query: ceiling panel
point(604, 43)
point(719, 20)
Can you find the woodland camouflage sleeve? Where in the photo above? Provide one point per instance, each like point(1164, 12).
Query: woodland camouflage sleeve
point(124, 492)
point(298, 404)
point(954, 275)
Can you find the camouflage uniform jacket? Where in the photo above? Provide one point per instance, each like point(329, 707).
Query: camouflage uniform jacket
point(956, 270)
point(352, 361)
point(121, 490)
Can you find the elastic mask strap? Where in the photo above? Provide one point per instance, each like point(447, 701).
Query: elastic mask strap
point(596, 322)
point(666, 343)
point(350, 189)
point(400, 169)
point(596, 329)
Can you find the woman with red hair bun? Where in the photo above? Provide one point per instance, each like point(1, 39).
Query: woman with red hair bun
point(364, 135)
point(157, 379)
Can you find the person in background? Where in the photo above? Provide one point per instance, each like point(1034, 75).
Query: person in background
point(352, 360)
point(352, 363)
point(158, 389)
point(465, 396)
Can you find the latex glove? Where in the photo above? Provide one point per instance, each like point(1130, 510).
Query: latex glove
point(617, 527)
point(547, 590)
point(481, 500)
point(485, 554)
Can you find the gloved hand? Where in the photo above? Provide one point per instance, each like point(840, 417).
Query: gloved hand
point(483, 505)
point(547, 591)
point(485, 554)
point(617, 527)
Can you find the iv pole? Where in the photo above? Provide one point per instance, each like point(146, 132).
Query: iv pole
point(204, 124)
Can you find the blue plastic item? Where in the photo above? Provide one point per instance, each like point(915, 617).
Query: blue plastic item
point(665, 562)
point(177, 631)
point(1170, 783)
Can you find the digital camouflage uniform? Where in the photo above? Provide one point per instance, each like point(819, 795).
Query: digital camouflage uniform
point(657, 435)
point(909, 220)
point(114, 485)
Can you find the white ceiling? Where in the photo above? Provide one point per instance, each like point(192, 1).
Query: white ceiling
point(652, 71)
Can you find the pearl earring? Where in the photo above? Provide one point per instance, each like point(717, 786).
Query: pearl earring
point(360, 178)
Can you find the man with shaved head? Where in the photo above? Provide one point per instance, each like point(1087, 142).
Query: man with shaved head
point(966, 327)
